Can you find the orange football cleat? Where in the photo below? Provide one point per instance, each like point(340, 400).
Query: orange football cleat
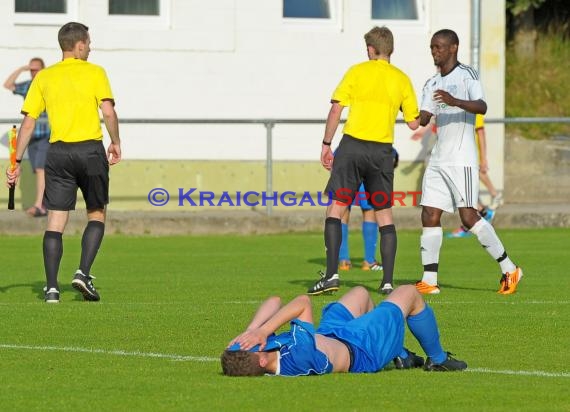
point(426, 288)
point(509, 282)
point(371, 266)
point(344, 265)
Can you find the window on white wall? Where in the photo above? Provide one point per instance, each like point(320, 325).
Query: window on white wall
point(134, 7)
point(395, 10)
point(312, 14)
point(139, 14)
point(45, 12)
point(44, 6)
point(306, 9)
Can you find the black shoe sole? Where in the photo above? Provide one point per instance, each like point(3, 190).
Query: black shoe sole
point(81, 288)
point(444, 368)
point(413, 361)
point(329, 291)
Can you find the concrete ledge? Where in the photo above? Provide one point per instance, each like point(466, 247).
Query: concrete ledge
point(253, 222)
point(537, 170)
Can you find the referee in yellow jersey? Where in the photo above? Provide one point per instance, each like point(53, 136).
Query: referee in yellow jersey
point(72, 92)
point(374, 91)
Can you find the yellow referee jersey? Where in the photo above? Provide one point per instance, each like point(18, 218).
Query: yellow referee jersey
point(70, 92)
point(375, 91)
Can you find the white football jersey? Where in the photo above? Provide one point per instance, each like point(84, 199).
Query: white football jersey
point(455, 145)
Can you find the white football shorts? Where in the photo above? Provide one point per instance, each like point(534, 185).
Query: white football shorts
point(450, 187)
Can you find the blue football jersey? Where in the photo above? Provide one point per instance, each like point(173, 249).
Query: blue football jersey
point(300, 355)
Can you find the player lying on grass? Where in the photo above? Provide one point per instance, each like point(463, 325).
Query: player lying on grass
point(353, 336)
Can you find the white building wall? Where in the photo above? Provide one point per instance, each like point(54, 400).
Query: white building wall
point(238, 59)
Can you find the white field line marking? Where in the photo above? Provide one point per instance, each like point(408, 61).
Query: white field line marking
point(170, 303)
point(244, 302)
point(521, 373)
point(210, 359)
point(444, 302)
point(112, 352)
point(256, 302)
point(505, 302)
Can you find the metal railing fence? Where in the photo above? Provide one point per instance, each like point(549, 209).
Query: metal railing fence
point(270, 124)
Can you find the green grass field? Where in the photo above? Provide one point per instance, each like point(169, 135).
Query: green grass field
point(170, 305)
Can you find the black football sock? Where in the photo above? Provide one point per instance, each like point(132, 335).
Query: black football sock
point(90, 242)
point(53, 251)
point(333, 239)
point(388, 245)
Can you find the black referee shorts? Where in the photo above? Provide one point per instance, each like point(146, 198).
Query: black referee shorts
point(361, 161)
point(82, 165)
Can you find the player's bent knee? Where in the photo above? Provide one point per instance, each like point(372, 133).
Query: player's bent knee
point(408, 299)
point(356, 291)
point(356, 294)
point(409, 290)
point(405, 295)
point(361, 291)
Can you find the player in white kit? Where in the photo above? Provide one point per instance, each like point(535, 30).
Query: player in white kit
point(451, 180)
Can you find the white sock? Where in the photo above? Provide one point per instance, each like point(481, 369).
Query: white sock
point(430, 245)
point(492, 244)
point(430, 278)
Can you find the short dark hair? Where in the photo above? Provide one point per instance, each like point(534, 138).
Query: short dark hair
point(70, 34)
point(450, 35)
point(38, 59)
point(241, 363)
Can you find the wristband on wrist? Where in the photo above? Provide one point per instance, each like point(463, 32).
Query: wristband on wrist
point(18, 161)
point(327, 143)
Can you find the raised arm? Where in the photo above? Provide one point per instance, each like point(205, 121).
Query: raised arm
point(269, 317)
point(265, 311)
point(10, 82)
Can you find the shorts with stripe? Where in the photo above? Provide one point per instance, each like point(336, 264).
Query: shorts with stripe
point(361, 161)
point(450, 187)
point(70, 166)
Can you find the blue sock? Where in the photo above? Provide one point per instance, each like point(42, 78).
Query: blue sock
point(343, 253)
point(370, 236)
point(424, 327)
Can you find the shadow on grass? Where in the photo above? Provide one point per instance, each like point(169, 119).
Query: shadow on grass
point(322, 261)
point(442, 286)
point(38, 289)
point(348, 281)
point(305, 284)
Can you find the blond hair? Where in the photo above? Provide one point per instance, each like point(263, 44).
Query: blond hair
point(381, 40)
